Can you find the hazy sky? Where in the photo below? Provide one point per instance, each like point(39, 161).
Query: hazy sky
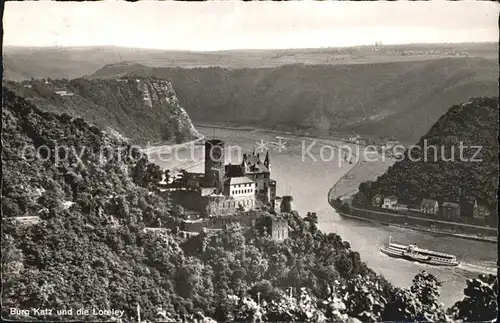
point(245, 25)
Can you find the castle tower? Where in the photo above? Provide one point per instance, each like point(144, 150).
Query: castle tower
point(277, 205)
point(287, 204)
point(267, 161)
point(244, 164)
point(214, 163)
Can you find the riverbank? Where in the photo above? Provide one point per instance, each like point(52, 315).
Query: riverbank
point(162, 148)
point(296, 134)
point(363, 171)
point(419, 228)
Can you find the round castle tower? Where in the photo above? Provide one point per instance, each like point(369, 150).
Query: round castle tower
point(214, 163)
point(287, 204)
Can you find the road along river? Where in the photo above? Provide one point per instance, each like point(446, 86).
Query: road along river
point(306, 169)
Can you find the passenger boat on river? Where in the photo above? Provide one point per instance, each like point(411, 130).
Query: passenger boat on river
point(413, 253)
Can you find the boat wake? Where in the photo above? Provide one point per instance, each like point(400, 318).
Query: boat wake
point(462, 267)
point(478, 268)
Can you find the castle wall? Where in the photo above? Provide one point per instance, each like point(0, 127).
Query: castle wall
point(279, 229)
point(219, 205)
point(189, 200)
point(246, 220)
point(277, 205)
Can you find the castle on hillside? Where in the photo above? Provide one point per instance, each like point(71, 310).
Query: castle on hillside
point(259, 172)
point(224, 189)
point(226, 194)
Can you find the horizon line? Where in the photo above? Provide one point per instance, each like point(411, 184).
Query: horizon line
point(240, 49)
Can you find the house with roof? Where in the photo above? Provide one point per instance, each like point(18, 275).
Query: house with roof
point(353, 138)
point(390, 202)
point(480, 211)
point(257, 170)
point(450, 210)
point(377, 200)
point(429, 206)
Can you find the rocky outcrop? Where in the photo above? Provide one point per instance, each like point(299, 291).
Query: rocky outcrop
point(144, 110)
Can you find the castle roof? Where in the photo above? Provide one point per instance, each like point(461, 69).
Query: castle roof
point(252, 159)
point(254, 164)
point(239, 180)
point(258, 168)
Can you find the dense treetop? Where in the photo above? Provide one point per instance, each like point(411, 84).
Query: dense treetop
point(441, 173)
point(142, 109)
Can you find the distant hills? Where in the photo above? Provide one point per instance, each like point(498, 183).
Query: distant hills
point(397, 99)
point(143, 110)
point(22, 63)
point(376, 91)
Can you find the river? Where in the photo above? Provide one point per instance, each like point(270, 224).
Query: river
point(308, 177)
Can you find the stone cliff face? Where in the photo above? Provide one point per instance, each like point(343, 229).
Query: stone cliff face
point(144, 110)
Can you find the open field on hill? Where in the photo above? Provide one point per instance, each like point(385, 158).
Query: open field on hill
point(22, 63)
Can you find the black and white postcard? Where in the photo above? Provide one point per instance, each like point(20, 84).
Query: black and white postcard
point(231, 161)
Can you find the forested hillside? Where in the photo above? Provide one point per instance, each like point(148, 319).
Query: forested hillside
point(139, 109)
point(90, 250)
point(396, 99)
point(443, 174)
